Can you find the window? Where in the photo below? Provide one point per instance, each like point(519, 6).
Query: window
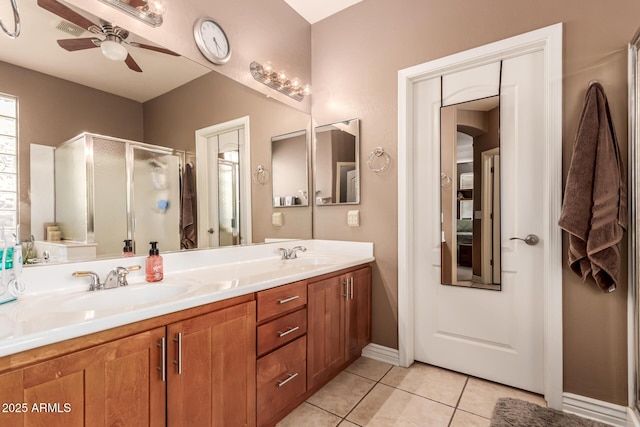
point(8, 162)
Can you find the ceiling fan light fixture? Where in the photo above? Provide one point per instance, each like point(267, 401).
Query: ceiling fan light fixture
point(113, 50)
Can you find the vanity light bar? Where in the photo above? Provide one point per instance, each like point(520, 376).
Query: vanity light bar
point(146, 13)
point(279, 81)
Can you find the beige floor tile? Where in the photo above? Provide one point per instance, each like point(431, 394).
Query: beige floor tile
point(369, 368)
point(480, 396)
point(309, 415)
point(386, 406)
point(342, 393)
point(346, 423)
point(465, 419)
point(427, 381)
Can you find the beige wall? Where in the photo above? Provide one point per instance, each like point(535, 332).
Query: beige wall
point(172, 119)
point(356, 57)
point(53, 111)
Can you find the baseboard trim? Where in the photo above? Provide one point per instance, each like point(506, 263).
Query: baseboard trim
point(632, 418)
point(598, 410)
point(382, 354)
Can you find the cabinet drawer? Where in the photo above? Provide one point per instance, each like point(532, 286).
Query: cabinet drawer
point(281, 331)
point(281, 378)
point(273, 302)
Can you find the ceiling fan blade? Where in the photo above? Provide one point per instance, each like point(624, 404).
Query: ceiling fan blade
point(154, 48)
point(132, 64)
point(78, 44)
point(65, 13)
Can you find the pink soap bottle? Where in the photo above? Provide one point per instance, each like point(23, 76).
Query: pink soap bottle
point(153, 265)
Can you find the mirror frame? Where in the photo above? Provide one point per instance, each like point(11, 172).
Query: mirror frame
point(451, 194)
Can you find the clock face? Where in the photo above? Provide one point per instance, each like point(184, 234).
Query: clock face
point(212, 41)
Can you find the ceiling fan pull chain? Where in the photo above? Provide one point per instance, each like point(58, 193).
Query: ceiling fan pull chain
point(16, 17)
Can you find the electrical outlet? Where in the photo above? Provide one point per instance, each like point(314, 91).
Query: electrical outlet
point(276, 219)
point(353, 218)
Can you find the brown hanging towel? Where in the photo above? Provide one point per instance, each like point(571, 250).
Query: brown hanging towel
point(594, 211)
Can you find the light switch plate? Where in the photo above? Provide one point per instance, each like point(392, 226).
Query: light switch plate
point(276, 219)
point(353, 218)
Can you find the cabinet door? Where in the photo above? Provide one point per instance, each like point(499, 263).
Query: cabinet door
point(325, 328)
point(212, 369)
point(359, 312)
point(117, 383)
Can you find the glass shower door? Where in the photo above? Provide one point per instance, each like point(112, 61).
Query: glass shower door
point(155, 196)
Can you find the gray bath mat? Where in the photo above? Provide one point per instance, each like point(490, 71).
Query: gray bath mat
point(519, 413)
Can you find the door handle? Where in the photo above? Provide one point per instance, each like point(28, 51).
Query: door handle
point(210, 231)
point(178, 362)
point(530, 239)
point(163, 358)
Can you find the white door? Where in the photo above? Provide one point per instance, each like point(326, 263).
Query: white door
point(496, 335)
point(223, 180)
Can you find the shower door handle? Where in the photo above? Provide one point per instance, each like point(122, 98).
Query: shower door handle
point(210, 231)
point(530, 240)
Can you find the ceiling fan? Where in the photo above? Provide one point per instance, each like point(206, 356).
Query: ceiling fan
point(112, 44)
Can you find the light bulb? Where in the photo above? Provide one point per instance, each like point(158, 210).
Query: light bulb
point(113, 50)
point(307, 90)
point(295, 83)
point(268, 67)
point(156, 7)
point(282, 76)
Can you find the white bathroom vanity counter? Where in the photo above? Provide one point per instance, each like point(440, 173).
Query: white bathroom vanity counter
point(58, 307)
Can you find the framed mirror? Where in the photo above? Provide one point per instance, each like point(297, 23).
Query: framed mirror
point(470, 193)
point(289, 166)
point(337, 164)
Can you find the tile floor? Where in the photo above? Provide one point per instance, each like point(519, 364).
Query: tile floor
point(372, 393)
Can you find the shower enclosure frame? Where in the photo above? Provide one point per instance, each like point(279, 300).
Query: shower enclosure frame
point(633, 308)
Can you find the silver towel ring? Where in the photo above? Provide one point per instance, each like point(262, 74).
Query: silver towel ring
point(260, 175)
point(379, 152)
point(16, 18)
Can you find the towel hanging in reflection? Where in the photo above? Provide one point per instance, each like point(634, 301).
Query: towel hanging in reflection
point(594, 211)
point(188, 220)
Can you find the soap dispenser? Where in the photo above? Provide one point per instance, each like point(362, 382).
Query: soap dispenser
point(127, 251)
point(153, 265)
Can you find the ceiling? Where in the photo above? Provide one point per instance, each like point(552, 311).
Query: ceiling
point(316, 10)
point(36, 49)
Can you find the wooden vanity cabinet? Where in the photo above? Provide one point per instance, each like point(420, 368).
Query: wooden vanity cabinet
point(339, 323)
point(121, 381)
point(282, 346)
point(117, 383)
point(211, 369)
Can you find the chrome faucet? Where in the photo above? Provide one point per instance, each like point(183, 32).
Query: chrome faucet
point(117, 277)
point(291, 253)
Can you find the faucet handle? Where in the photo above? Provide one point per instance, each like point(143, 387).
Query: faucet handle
point(293, 251)
point(94, 283)
point(121, 272)
point(284, 253)
point(133, 268)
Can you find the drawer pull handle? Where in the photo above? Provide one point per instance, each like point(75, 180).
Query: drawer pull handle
point(283, 382)
point(286, 300)
point(288, 331)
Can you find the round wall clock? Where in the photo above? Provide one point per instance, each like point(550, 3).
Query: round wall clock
point(212, 40)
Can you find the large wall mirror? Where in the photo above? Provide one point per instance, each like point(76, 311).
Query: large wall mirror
point(66, 87)
point(289, 169)
point(470, 193)
point(337, 165)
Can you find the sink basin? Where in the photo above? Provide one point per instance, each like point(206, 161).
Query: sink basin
point(129, 296)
